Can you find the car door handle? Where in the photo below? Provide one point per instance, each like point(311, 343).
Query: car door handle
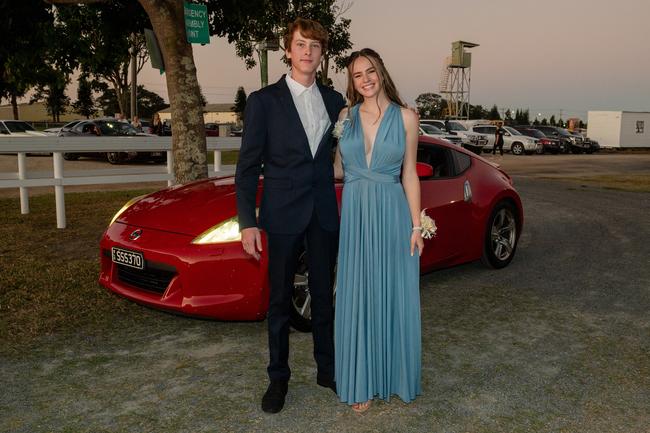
point(467, 192)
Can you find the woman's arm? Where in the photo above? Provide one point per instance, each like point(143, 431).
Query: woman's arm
point(338, 162)
point(410, 180)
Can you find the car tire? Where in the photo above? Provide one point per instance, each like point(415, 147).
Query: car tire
point(300, 311)
point(501, 236)
point(517, 149)
point(70, 156)
point(114, 157)
point(540, 151)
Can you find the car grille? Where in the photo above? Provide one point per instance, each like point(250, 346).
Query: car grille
point(150, 278)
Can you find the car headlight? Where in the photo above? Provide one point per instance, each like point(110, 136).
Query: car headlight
point(225, 231)
point(127, 205)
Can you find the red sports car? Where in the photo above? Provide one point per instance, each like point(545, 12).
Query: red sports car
point(179, 249)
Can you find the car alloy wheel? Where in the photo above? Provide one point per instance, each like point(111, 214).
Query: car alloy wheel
point(501, 236)
point(300, 312)
point(517, 149)
point(113, 157)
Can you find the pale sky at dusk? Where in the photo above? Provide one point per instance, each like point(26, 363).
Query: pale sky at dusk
point(571, 55)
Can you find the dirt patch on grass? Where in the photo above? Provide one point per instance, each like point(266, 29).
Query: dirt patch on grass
point(633, 182)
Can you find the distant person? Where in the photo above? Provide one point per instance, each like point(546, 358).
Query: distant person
point(498, 139)
point(120, 117)
point(156, 125)
point(447, 124)
point(136, 123)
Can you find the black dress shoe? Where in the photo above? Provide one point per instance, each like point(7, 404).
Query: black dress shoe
point(326, 382)
point(273, 400)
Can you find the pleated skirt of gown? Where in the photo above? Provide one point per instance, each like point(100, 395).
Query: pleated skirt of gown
point(377, 322)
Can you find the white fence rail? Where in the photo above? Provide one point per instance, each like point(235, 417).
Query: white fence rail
point(57, 146)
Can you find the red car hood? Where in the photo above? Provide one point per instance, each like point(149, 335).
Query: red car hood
point(187, 209)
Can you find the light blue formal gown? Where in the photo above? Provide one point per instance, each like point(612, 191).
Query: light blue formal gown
point(377, 322)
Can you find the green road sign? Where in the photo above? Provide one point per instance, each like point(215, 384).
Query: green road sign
point(196, 23)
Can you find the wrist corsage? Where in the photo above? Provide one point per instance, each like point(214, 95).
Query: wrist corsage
point(427, 226)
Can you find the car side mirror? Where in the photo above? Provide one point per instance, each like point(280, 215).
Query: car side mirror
point(424, 169)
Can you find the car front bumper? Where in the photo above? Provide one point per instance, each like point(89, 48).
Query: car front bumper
point(216, 281)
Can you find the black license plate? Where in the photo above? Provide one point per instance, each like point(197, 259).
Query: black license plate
point(129, 258)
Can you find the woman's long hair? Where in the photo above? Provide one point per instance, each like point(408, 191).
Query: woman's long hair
point(385, 81)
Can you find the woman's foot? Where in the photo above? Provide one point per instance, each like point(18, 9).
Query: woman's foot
point(361, 407)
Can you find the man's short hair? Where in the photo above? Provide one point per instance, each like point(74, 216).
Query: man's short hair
point(308, 28)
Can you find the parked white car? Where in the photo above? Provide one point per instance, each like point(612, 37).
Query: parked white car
point(18, 128)
point(469, 139)
point(434, 131)
point(513, 140)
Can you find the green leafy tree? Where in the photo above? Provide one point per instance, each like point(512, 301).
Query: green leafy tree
point(493, 114)
point(85, 103)
point(430, 105)
point(560, 122)
point(477, 112)
point(535, 122)
point(544, 122)
point(167, 20)
point(522, 117)
point(52, 92)
point(31, 48)
point(148, 102)
point(240, 103)
point(106, 32)
point(246, 24)
point(508, 120)
point(552, 121)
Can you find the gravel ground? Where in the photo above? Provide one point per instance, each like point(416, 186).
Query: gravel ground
point(559, 341)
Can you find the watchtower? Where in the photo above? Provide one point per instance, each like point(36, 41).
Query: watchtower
point(456, 78)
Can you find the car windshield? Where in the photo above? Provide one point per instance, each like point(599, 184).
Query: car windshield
point(453, 126)
point(430, 129)
point(110, 127)
point(70, 125)
point(512, 131)
point(17, 126)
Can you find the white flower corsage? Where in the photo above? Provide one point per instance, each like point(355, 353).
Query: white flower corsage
point(428, 225)
point(339, 127)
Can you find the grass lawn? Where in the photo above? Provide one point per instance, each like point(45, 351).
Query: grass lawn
point(49, 279)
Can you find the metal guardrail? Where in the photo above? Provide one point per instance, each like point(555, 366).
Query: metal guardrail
point(57, 146)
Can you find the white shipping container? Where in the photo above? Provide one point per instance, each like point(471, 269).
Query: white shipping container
point(619, 128)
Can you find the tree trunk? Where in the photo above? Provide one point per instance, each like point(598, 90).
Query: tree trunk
point(325, 68)
point(14, 105)
point(188, 129)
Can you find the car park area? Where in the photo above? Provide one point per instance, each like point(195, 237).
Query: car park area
point(556, 341)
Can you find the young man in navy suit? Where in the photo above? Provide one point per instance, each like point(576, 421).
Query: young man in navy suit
point(288, 137)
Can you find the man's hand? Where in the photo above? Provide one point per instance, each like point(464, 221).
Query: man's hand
point(251, 240)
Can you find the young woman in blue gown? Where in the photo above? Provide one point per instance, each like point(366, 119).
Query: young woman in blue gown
point(377, 322)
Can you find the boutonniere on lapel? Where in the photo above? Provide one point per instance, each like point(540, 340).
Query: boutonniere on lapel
point(339, 127)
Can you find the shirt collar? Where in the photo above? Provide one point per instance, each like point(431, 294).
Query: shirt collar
point(296, 88)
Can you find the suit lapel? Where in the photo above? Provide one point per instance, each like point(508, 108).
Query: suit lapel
point(293, 117)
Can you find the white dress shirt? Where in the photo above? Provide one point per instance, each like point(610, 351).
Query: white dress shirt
point(311, 109)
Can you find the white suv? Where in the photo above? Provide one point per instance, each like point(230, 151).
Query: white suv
point(470, 140)
point(513, 140)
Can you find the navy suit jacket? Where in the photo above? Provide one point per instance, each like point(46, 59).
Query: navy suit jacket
point(295, 184)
